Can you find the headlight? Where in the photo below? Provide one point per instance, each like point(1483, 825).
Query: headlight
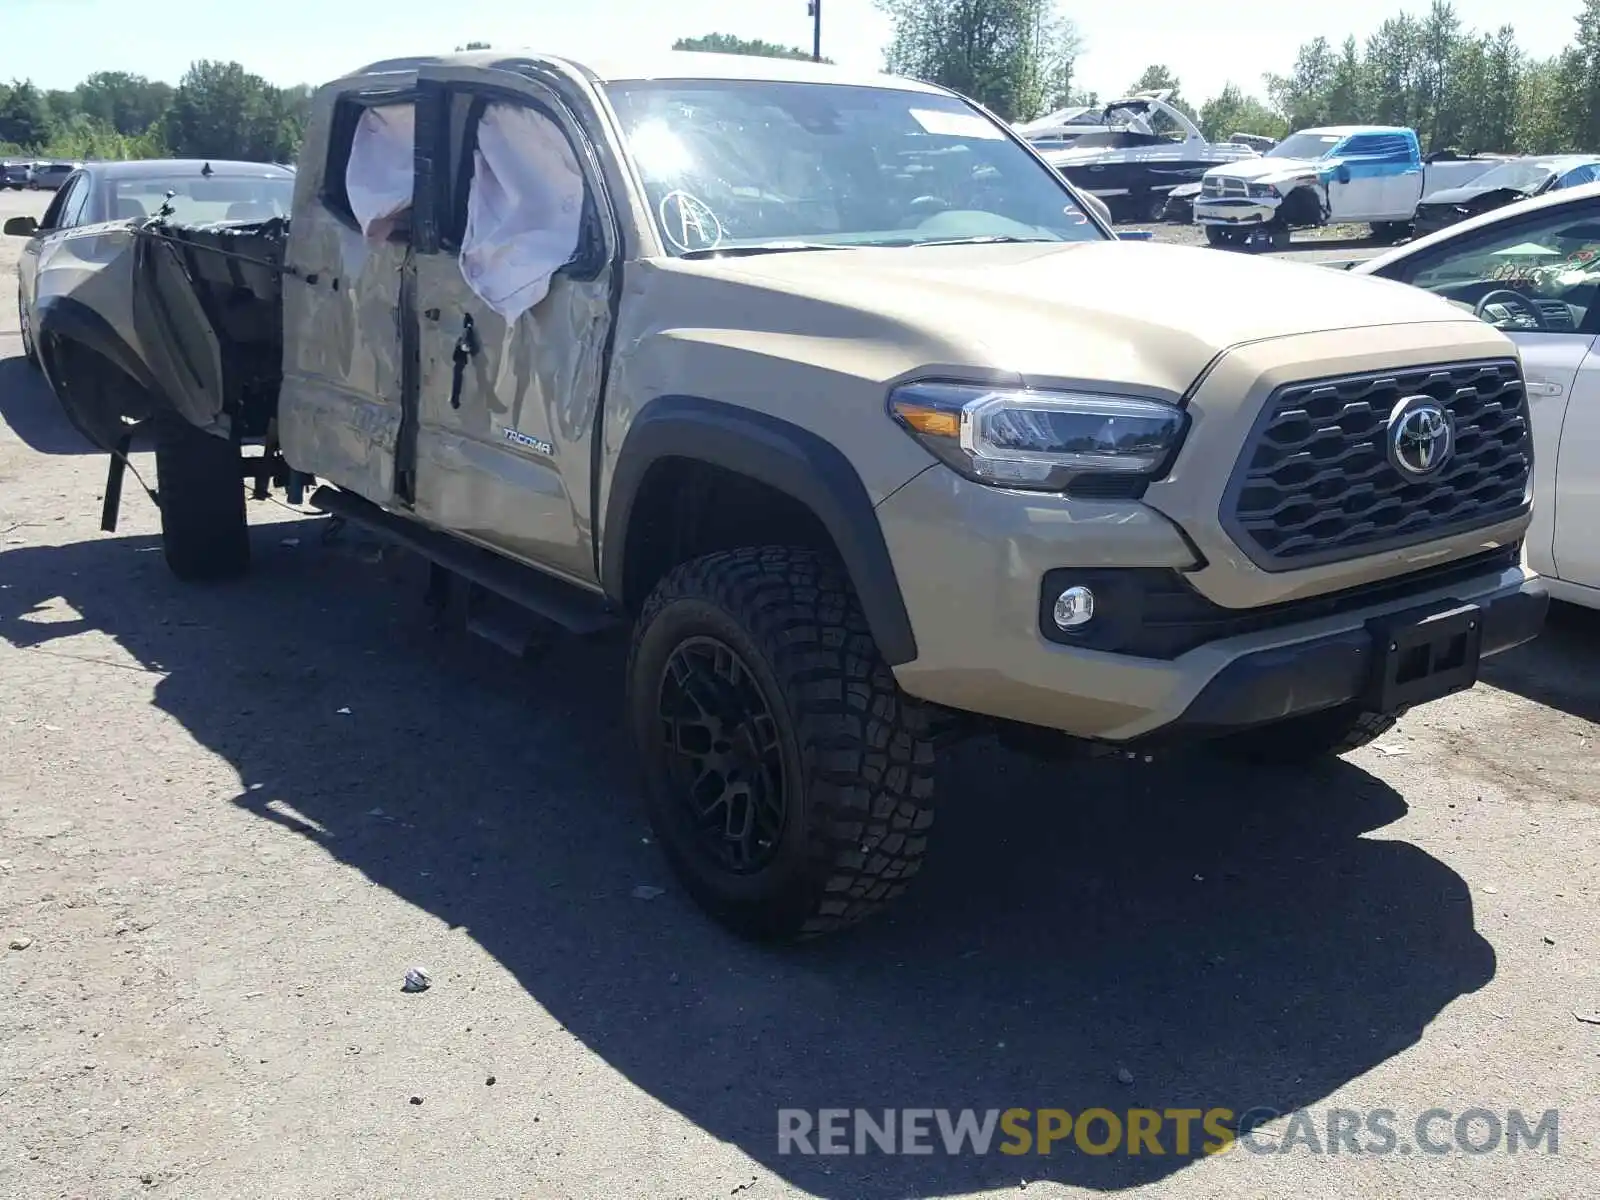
point(1015, 437)
point(1263, 191)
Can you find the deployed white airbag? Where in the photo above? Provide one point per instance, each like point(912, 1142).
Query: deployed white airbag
point(378, 177)
point(524, 209)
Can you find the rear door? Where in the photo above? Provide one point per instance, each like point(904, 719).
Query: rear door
point(343, 400)
point(514, 274)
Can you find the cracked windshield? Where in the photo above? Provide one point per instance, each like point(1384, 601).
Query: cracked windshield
point(738, 165)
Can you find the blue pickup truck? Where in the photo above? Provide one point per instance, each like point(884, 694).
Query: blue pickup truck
point(1367, 174)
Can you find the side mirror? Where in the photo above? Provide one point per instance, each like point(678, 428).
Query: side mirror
point(1342, 173)
point(21, 227)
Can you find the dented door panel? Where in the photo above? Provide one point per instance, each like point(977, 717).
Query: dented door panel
point(508, 464)
point(340, 408)
point(505, 410)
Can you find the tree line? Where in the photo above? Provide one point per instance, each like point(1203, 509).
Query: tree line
point(217, 110)
point(1459, 88)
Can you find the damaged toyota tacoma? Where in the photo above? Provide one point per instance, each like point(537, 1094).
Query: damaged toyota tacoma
point(835, 395)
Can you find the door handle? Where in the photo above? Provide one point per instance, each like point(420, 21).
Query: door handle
point(1543, 387)
point(466, 347)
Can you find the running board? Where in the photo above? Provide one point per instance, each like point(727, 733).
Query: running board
point(574, 609)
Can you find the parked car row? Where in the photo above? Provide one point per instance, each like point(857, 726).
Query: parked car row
point(38, 176)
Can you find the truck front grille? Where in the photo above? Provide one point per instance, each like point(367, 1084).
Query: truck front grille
point(1315, 483)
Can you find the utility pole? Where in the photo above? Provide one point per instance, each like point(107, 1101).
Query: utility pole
point(814, 11)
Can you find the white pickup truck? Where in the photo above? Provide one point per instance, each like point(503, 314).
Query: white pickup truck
point(1369, 174)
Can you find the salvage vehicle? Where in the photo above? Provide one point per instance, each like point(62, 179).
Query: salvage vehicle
point(1146, 148)
point(1517, 179)
point(829, 390)
point(1532, 270)
point(1360, 174)
point(1179, 208)
point(181, 189)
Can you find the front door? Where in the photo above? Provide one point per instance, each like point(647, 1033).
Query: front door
point(513, 309)
point(1577, 509)
point(66, 207)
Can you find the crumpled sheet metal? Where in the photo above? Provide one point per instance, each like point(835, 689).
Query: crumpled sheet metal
point(481, 469)
point(340, 406)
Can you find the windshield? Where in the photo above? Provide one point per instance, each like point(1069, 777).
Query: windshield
point(1305, 145)
point(198, 199)
point(737, 163)
point(1519, 176)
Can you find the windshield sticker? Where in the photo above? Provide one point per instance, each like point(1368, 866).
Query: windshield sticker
point(688, 222)
point(952, 124)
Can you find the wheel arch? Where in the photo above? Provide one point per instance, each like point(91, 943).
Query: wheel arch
point(94, 374)
point(819, 484)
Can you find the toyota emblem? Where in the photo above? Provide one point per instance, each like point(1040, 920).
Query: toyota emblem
point(1421, 436)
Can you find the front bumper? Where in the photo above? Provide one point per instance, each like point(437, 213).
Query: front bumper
point(1335, 669)
point(971, 561)
point(1216, 210)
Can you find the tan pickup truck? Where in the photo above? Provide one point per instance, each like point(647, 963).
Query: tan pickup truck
point(841, 400)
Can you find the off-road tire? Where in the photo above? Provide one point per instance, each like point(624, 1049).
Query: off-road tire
point(1223, 238)
point(1390, 232)
point(204, 532)
point(1302, 740)
point(857, 762)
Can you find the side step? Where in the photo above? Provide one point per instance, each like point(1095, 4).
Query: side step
point(574, 609)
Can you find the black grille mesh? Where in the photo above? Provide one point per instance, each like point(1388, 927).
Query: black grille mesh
point(1315, 483)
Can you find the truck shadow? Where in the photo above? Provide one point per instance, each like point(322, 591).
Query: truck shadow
point(1559, 669)
point(1224, 938)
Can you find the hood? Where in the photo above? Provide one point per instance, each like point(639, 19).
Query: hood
point(1266, 170)
point(1139, 314)
point(1469, 192)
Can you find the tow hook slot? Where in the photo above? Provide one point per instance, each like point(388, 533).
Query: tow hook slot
point(466, 347)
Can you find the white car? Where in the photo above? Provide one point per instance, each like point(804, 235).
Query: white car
point(1532, 270)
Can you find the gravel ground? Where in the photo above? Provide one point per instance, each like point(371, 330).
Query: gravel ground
point(231, 818)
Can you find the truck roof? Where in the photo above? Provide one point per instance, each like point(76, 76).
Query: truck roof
point(1346, 130)
point(666, 64)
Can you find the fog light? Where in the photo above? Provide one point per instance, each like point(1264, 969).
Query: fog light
point(1074, 608)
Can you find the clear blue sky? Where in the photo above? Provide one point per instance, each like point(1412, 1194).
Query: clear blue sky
point(57, 42)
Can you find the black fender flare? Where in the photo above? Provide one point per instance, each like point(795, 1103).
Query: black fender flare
point(782, 455)
point(72, 320)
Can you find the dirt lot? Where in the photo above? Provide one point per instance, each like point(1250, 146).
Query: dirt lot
point(231, 818)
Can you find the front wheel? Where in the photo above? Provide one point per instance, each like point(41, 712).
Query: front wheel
point(1299, 741)
point(1389, 232)
point(1222, 237)
point(788, 780)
